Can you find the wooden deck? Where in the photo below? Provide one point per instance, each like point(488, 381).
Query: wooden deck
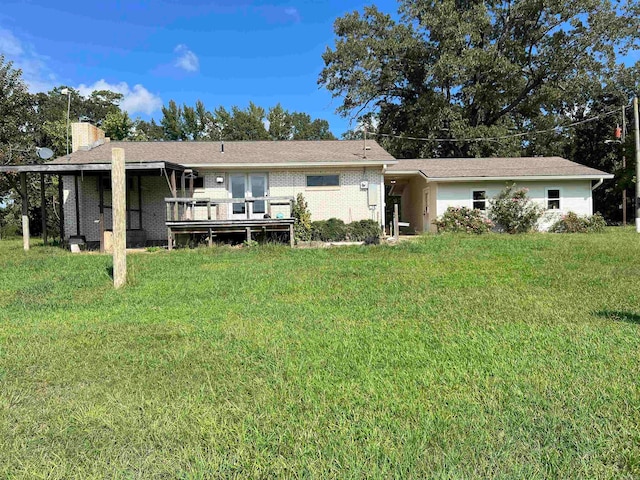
point(180, 212)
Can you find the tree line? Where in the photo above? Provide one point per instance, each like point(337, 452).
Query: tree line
point(29, 120)
point(446, 70)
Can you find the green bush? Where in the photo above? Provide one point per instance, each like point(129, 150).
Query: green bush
point(463, 219)
point(332, 230)
point(302, 219)
point(574, 223)
point(363, 230)
point(513, 212)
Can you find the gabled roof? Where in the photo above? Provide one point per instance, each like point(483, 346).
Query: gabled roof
point(269, 154)
point(461, 169)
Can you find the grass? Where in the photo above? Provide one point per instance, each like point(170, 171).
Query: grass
point(446, 357)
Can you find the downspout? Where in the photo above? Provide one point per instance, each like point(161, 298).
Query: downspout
point(383, 197)
point(598, 183)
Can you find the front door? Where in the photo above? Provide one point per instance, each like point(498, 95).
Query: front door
point(246, 186)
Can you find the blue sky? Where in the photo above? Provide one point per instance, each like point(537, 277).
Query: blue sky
point(224, 52)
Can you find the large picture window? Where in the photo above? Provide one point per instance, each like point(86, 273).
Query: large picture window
point(553, 199)
point(323, 180)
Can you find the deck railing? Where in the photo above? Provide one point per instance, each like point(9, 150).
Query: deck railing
point(200, 209)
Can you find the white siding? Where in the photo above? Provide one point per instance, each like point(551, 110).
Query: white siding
point(575, 196)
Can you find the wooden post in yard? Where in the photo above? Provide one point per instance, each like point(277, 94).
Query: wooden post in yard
point(119, 212)
point(636, 119)
point(43, 208)
point(25, 211)
point(396, 226)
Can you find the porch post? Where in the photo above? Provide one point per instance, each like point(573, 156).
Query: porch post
point(61, 201)
point(292, 239)
point(77, 195)
point(174, 192)
point(140, 202)
point(101, 207)
point(25, 211)
point(396, 226)
point(43, 208)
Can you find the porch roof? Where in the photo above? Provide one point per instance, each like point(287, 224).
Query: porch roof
point(74, 168)
point(468, 169)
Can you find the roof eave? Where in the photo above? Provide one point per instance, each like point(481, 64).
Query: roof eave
point(605, 176)
point(266, 165)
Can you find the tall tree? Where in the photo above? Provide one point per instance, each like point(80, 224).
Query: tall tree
point(173, 122)
point(279, 123)
point(306, 129)
point(452, 69)
point(117, 125)
point(247, 124)
point(144, 131)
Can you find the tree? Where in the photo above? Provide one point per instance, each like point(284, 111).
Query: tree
point(246, 124)
point(17, 118)
point(18, 124)
point(117, 125)
point(306, 129)
point(451, 69)
point(172, 122)
point(144, 131)
point(279, 123)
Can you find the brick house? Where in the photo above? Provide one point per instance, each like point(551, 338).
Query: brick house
point(248, 187)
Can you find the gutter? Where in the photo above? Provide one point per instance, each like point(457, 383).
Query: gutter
point(268, 166)
point(521, 178)
point(600, 182)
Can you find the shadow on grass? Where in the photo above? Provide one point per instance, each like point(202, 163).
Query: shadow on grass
point(109, 271)
point(619, 316)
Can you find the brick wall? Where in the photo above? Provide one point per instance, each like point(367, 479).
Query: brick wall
point(154, 190)
point(348, 202)
point(84, 134)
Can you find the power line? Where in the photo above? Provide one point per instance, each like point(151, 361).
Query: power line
point(497, 139)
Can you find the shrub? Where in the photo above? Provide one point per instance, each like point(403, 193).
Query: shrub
point(363, 230)
point(574, 223)
point(332, 230)
point(302, 216)
point(463, 219)
point(513, 212)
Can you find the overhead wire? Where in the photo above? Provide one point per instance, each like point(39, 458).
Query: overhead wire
point(502, 137)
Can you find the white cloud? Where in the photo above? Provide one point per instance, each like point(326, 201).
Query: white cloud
point(35, 73)
point(9, 44)
point(187, 60)
point(136, 100)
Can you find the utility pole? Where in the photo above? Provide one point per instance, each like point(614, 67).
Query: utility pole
point(624, 166)
point(637, 131)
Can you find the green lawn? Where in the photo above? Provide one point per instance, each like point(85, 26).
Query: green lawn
point(444, 357)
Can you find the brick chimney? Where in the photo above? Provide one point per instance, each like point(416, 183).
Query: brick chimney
point(85, 136)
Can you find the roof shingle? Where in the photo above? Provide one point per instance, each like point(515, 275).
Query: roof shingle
point(494, 167)
point(258, 152)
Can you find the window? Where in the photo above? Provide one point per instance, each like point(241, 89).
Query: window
point(553, 199)
point(480, 199)
point(323, 180)
point(198, 182)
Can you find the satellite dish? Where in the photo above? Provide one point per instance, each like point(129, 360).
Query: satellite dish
point(44, 153)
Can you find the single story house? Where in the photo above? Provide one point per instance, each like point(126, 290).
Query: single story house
point(248, 187)
point(427, 187)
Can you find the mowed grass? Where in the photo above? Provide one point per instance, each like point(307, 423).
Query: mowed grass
point(443, 357)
